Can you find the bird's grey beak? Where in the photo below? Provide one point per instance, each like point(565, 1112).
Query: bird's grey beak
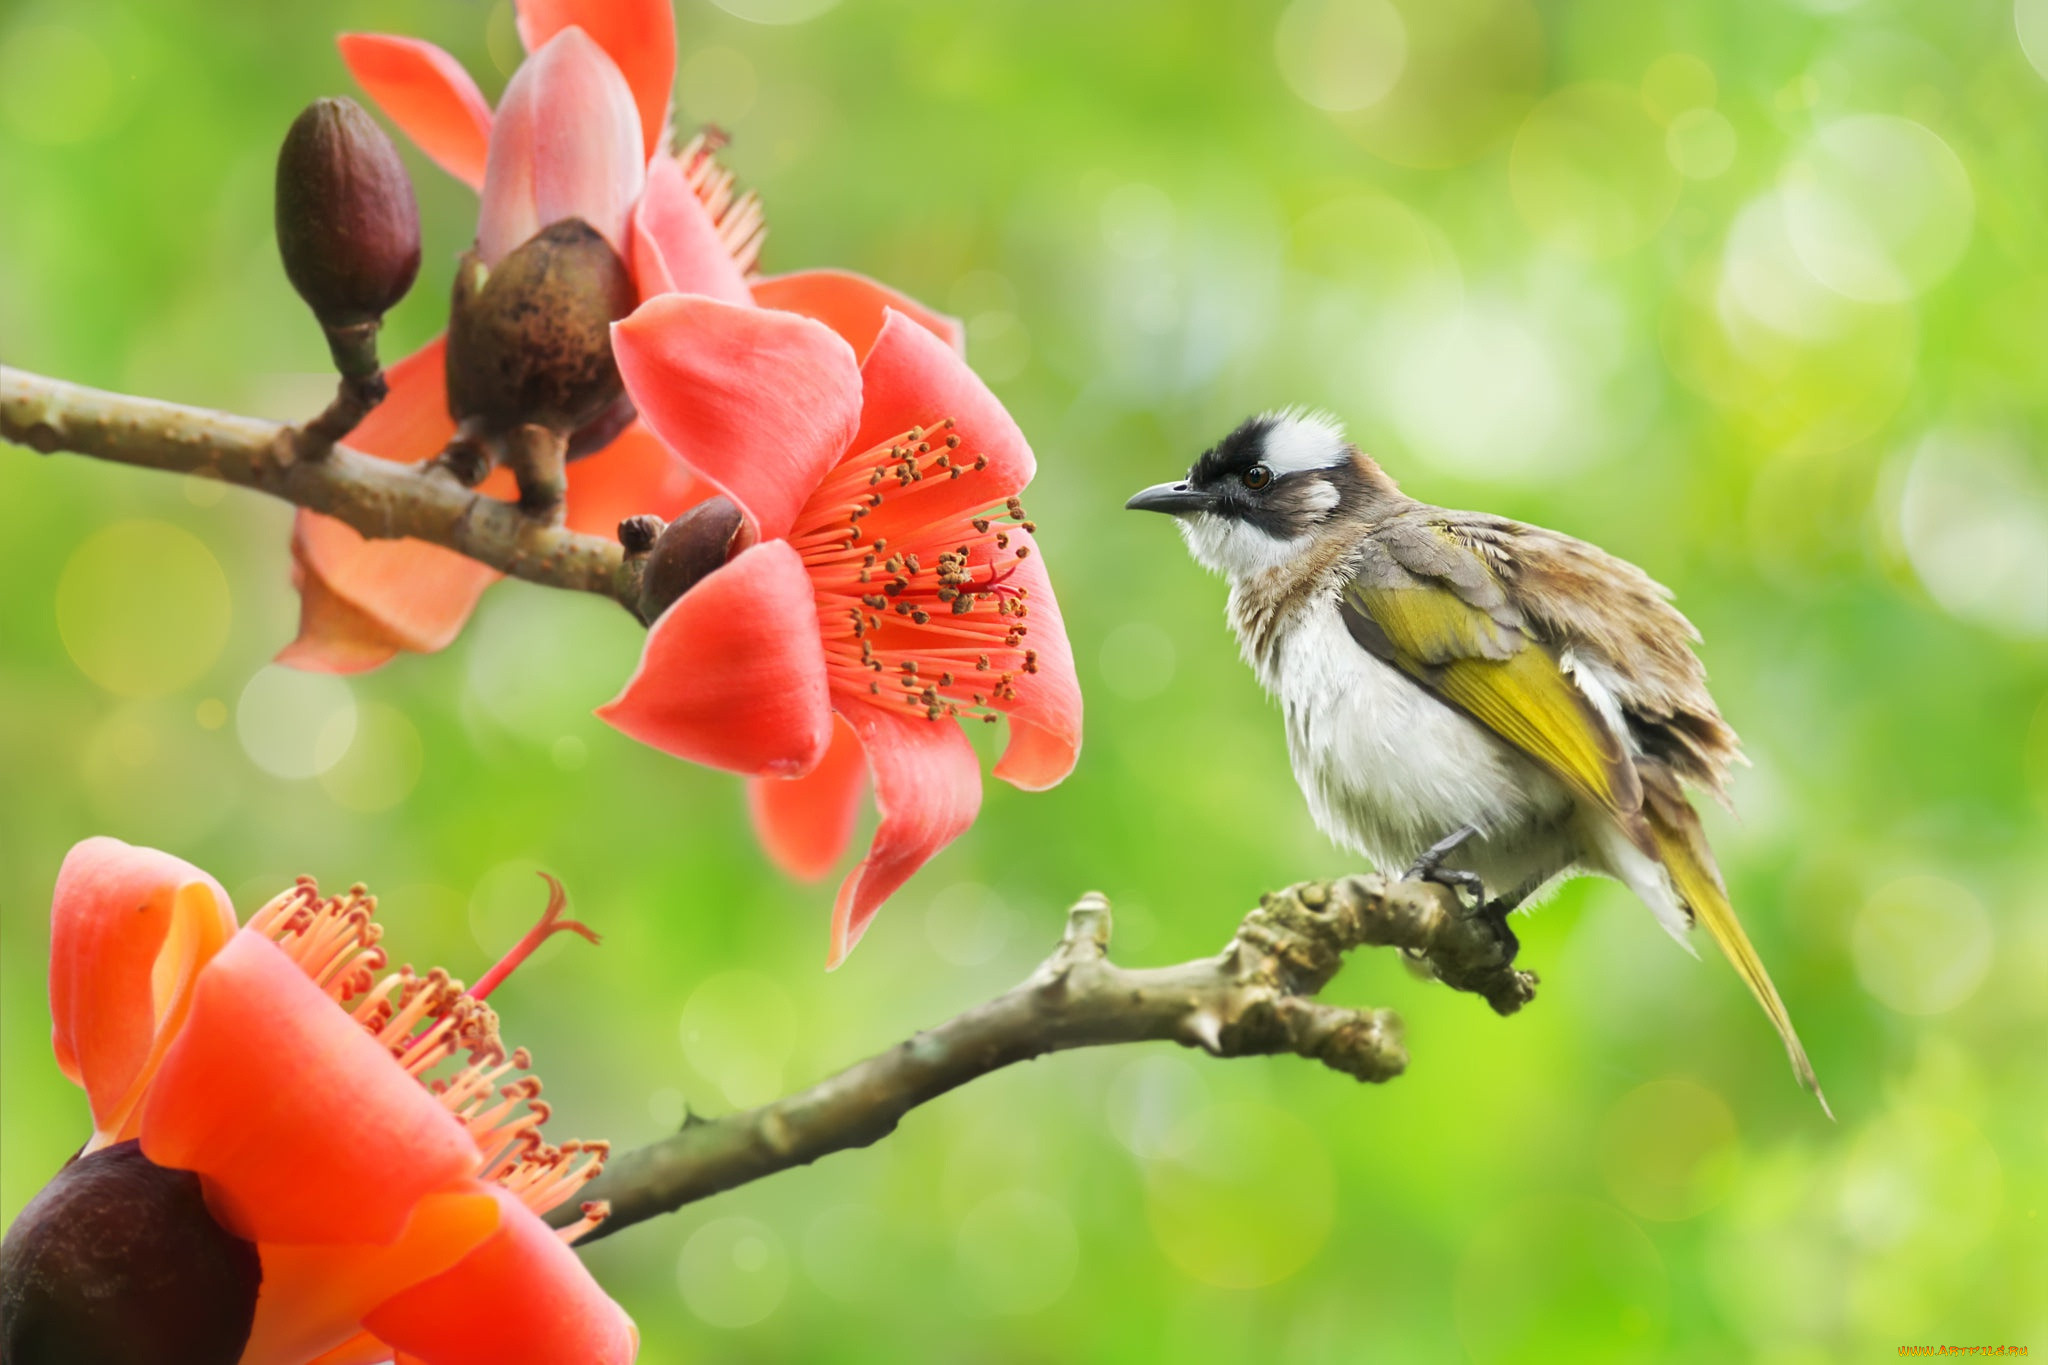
point(1175, 499)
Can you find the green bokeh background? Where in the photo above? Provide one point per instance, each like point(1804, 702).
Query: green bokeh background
point(1765, 316)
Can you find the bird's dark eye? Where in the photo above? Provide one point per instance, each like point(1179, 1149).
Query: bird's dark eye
point(1257, 477)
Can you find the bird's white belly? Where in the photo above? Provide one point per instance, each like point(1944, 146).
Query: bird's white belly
point(1388, 769)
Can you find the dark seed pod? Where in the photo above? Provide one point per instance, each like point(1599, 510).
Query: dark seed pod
point(117, 1260)
point(348, 227)
point(529, 340)
point(692, 546)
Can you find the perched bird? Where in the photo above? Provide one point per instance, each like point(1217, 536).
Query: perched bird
point(1485, 703)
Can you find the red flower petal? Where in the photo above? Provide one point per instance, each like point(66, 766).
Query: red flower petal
point(636, 473)
point(806, 822)
point(362, 600)
point(521, 1297)
point(758, 401)
point(130, 929)
point(733, 675)
point(314, 1298)
point(301, 1124)
point(1045, 718)
point(427, 93)
point(852, 305)
point(928, 788)
point(676, 247)
point(640, 35)
point(912, 379)
point(566, 145)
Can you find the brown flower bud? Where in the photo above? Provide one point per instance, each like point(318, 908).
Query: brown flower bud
point(118, 1260)
point(529, 341)
point(690, 547)
point(348, 227)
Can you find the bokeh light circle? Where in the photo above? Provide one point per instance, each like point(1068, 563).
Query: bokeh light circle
point(1017, 1251)
point(293, 724)
point(1341, 55)
point(143, 608)
point(1590, 172)
point(775, 12)
point(1243, 1197)
point(734, 1272)
point(1137, 660)
point(1473, 68)
point(1678, 83)
point(2030, 22)
point(1973, 516)
point(1562, 1279)
point(739, 1032)
point(1878, 207)
point(379, 764)
point(1668, 1149)
point(1700, 144)
point(1922, 945)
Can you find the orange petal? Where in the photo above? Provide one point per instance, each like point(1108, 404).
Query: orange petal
point(733, 674)
point(566, 145)
point(522, 1298)
point(412, 423)
point(928, 788)
point(130, 929)
point(758, 401)
point(640, 35)
point(853, 306)
point(676, 246)
point(806, 822)
point(427, 93)
point(314, 1298)
point(302, 1125)
point(636, 473)
point(1045, 715)
point(362, 600)
point(360, 1349)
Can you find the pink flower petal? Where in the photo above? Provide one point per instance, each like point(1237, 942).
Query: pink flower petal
point(566, 145)
point(913, 379)
point(853, 306)
point(928, 788)
point(806, 822)
point(427, 93)
point(302, 1125)
point(640, 35)
point(130, 931)
point(363, 600)
point(522, 1298)
point(733, 674)
point(676, 247)
point(1045, 717)
point(758, 401)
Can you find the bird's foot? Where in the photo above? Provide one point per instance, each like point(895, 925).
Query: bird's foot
point(1495, 913)
point(1430, 866)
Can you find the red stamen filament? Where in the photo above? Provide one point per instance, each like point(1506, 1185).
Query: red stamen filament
point(551, 923)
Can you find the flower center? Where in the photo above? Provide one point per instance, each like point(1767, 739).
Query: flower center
point(444, 1036)
point(914, 594)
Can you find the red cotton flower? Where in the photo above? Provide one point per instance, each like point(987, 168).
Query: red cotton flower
point(893, 586)
point(582, 131)
point(367, 1130)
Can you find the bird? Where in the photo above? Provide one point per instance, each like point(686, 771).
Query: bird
point(1488, 704)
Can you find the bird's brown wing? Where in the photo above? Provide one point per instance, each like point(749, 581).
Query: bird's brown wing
point(1427, 602)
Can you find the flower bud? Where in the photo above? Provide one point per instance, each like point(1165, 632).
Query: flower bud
point(689, 548)
point(118, 1260)
point(347, 225)
point(529, 340)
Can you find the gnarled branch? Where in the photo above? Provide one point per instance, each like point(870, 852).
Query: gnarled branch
point(379, 498)
point(1255, 998)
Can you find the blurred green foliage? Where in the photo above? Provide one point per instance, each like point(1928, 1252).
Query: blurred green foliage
point(1750, 292)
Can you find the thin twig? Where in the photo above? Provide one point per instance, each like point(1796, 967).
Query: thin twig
point(379, 498)
point(1255, 998)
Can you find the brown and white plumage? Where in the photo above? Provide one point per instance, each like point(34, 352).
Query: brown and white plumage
point(1466, 692)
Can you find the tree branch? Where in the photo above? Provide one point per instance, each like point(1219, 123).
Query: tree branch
point(1255, 998)
point(379, 498)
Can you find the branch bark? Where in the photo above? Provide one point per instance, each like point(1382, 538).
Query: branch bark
point(1255, 998)
point(379, 498)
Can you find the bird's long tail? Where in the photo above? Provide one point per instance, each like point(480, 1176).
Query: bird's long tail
point(1682, 846)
